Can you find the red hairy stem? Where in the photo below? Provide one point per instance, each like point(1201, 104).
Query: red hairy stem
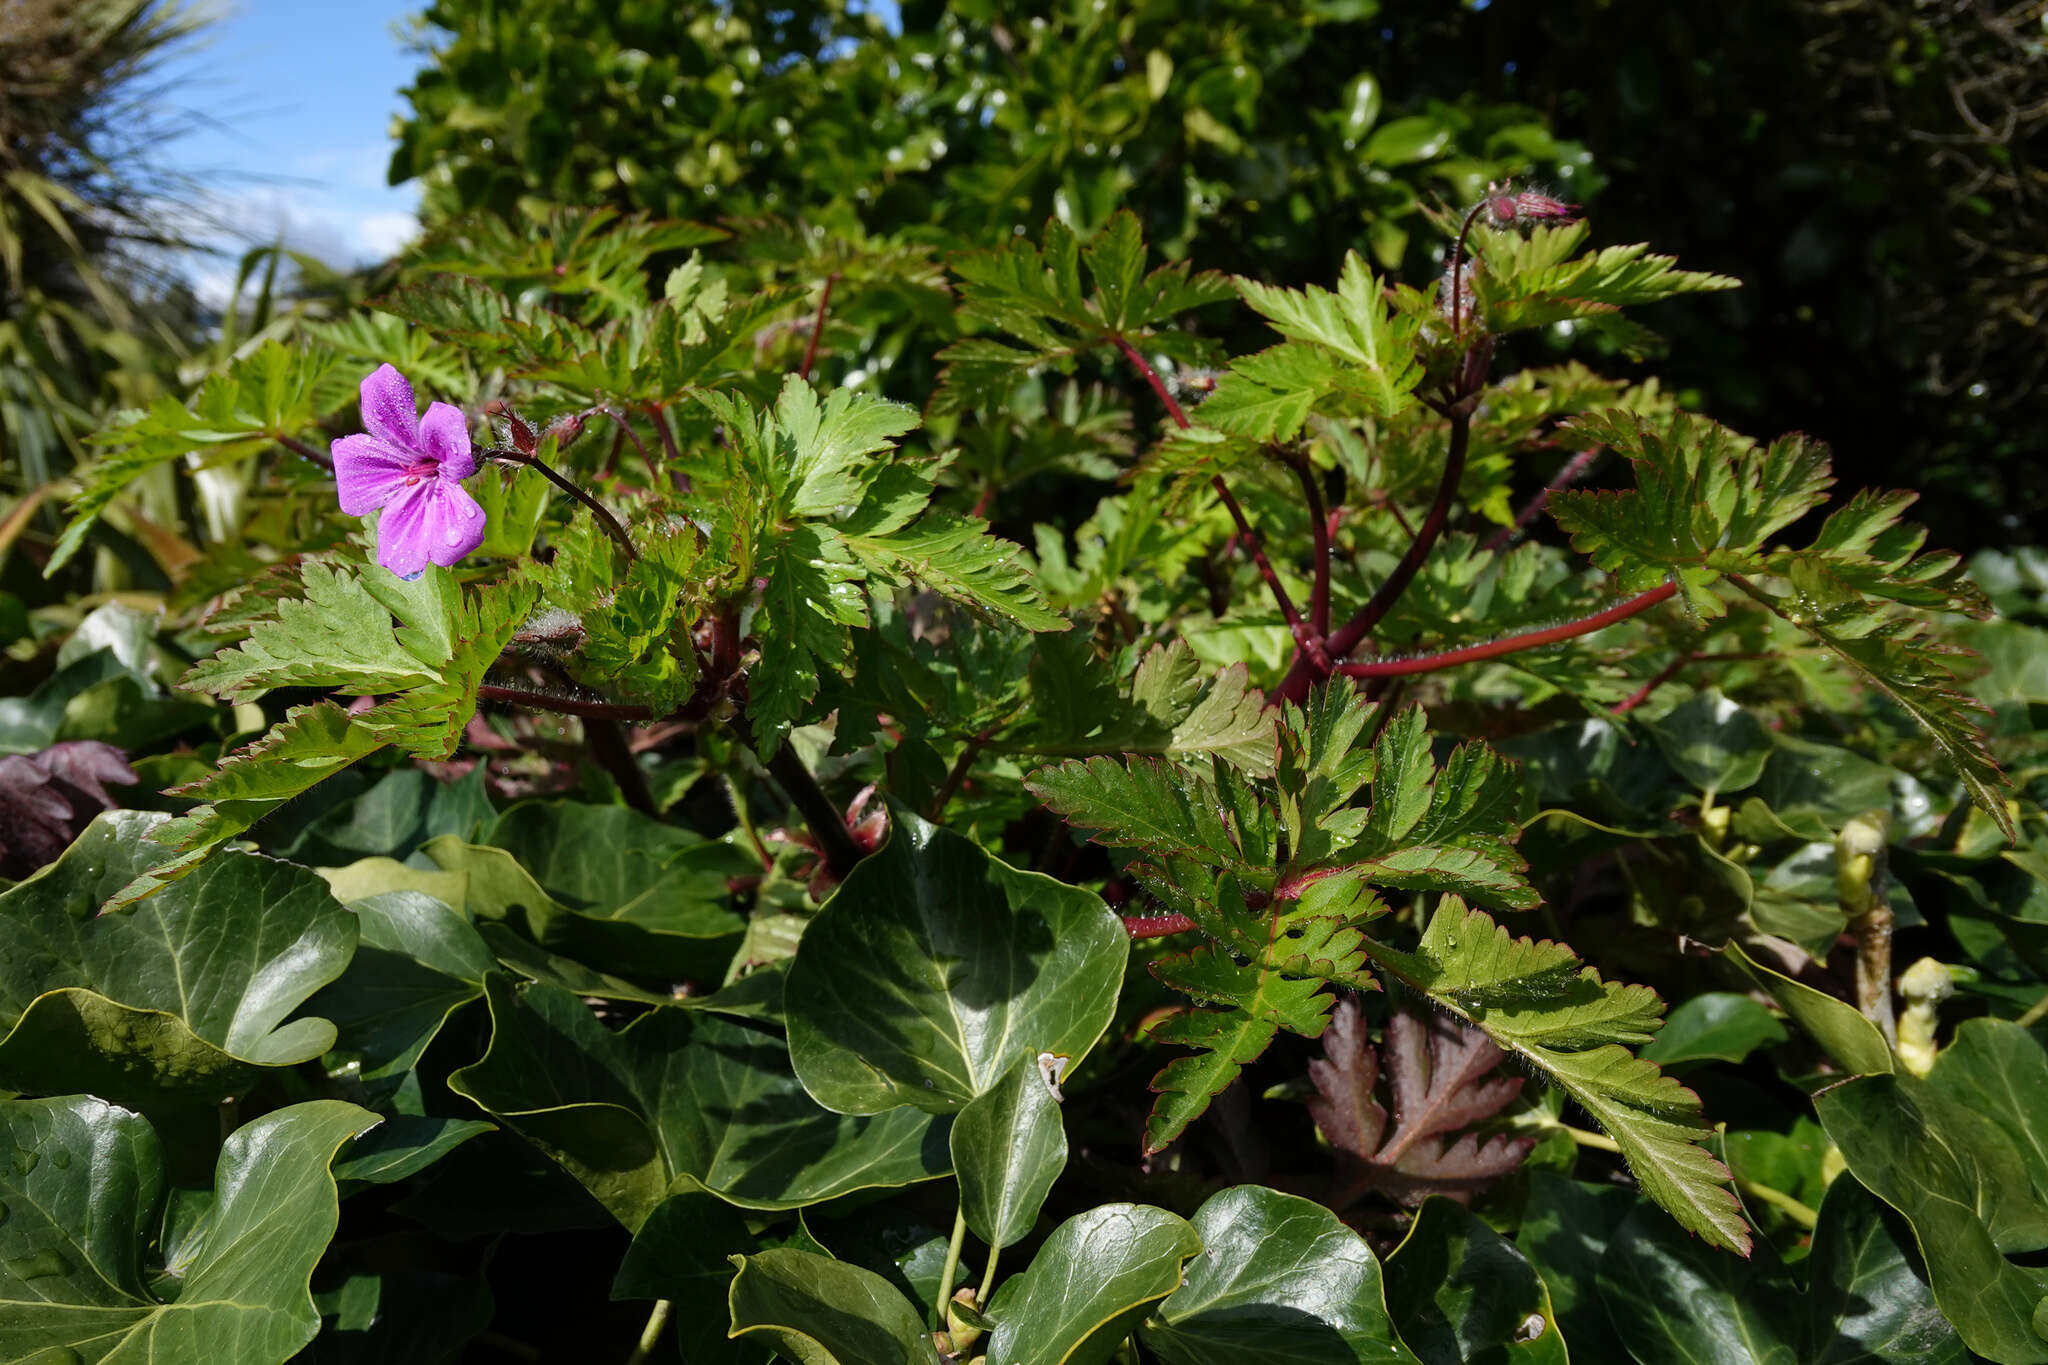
point(1156, 926)
point(603, 514)
point(1319, 526)
point(306, 452)
point(1574, 469)
point(818, 326)
point(564, 706)
point(1458, 268)
point(1309, 644)
point(1304, 672)
point(1493, 649)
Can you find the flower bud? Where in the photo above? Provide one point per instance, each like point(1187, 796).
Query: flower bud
point(512, 426)
point(1507, 207)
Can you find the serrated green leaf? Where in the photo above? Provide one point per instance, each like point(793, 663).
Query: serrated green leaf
point(1536, 1000)
point(1357, 326)
point(813, 591)
point(957, 558)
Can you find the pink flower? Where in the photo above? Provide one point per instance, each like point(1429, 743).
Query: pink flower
point(413, 468)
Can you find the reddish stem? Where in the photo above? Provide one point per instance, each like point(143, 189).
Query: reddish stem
point(1294, 687)
point(1458, 269)
point(1574, 469)
point(1665, 675)
point(817, 326)
point(1156, 926)
point(566, 706)
point(306, 452)
point(1319, 526)
point(958, 773)
point(1306, 639)
point(1493, 649)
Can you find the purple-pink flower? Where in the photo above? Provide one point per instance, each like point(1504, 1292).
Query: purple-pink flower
point(413, 468)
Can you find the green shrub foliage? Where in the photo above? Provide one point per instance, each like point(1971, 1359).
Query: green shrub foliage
point(1231, 916)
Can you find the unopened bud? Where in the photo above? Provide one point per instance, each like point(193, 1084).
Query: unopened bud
point(1509, 208)
point(566, 428)
point(512, 425)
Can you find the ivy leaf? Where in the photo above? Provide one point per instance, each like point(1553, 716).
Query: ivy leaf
point(1462, 1292)
point(825, 1312)
point(1443, 1077)
point(1537, 1001)
point(71, 1250)
point(1009, 1146)
point(1089, 1285)
point(1279, 1281)
point(935, 967)
point(679, 1093)
point(140, 1002)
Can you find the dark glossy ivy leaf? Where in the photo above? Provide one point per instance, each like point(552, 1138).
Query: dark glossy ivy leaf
point(1566, 1226)
point(417, 962)
point(1463, 1295)
point(1714, 744)
point(406, 1144)
point(683, 1253)
point(1714, 1026)
point(1676, 1301)
point(1008, 1146)
point(1279, 1279)
point(1089, 1285)
point(1961, 1180)
point(140, 1002)
point(819, 1311)
point(935, 967)
point(399, 1317)
point(680, 1093)
point(83, 1187)
point(1839, 1027)
point(1870, 1301)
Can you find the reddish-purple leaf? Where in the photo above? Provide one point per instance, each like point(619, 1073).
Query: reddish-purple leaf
point(46, 799)
point(1443, 1077)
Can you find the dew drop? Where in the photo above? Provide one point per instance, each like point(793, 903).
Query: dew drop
point(452, 536)
point(25, 1160)
point(61, 1159)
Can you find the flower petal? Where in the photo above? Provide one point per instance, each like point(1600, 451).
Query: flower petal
point(458, 523)
point(389, 409)
point(403, 536)
point(368, 472)
point(444, 434)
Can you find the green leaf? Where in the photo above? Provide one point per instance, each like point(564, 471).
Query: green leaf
point(1839, 1027)
point(813, 592)
point(265, 394)
point(140, 1002)
point(607, 886)
point(1715, 1026)
point(1566, 1227)
point(417, 962)
point(1965, 1182)
point(935, 967)
point(1089, 1285)
point(1463, 1293)
point(311, 744)
point(404, 1145)
point(683, 1253)
point(1713, 743)
point(1008, 1147)
point(1676, 1301)
point(1706, 499)
point(1279, 1280)
point(72, 1246)
point(1357, 327)
point(1535, 999)
point(1869, 1299)
point(1520, 282)
point(679, 1093)
point(818, 1311)
point(1150, 804)
point(957, 558)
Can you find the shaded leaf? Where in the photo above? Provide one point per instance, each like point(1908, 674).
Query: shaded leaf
point(1089, 1285)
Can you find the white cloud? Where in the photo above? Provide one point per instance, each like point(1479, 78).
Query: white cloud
point(379, 236)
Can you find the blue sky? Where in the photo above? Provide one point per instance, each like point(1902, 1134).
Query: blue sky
point(301, 94)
